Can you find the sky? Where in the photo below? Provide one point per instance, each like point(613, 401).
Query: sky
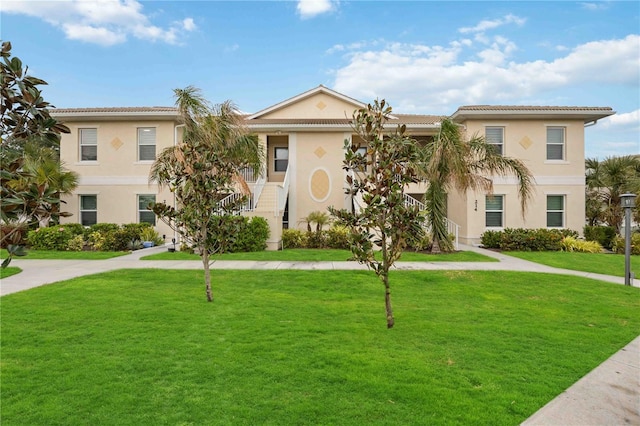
point(423, 57)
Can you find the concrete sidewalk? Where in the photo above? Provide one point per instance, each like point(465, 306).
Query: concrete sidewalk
point(609, 395)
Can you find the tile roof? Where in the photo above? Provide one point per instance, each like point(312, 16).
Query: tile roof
point(530, 108)
point(98, 110)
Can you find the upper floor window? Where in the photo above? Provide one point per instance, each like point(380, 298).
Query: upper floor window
point(88, 144)
point(281, 159)
point(555, 143)
point(494, 211)
point(146, 143)
point(145, 214)
point(88, 210)
point(555, 211)
point(494, 136)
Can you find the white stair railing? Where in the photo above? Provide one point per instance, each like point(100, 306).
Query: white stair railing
point(452, 227)
point(258, 187)
point(282, 192)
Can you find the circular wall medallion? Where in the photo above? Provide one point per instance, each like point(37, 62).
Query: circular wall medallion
point(319, 184)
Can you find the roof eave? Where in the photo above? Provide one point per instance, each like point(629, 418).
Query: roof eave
point(585, 115)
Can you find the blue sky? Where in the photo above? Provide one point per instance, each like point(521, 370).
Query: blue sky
point(423, 57)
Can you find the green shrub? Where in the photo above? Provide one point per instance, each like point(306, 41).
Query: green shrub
point(149, 234)
point(573, 244)
point(103, 240)
point(520, 239)
point(75, 228)
point(618, 245)
point(317, 239)
point(602, 234)
point(76, 243)
point(338, 237)
point(491, 239)
point(52, 238)
point(254, 236)
point(294, 238)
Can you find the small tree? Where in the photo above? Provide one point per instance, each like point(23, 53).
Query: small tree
point(203, 171)
point(24, 119)
point(379, 179)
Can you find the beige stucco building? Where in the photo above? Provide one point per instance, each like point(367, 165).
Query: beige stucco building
point(112, 150)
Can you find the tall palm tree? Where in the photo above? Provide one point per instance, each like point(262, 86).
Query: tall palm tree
point(202, 170)
point(606, 181)
point(451, 162)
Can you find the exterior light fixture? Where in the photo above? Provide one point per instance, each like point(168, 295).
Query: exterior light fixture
point(628, 202)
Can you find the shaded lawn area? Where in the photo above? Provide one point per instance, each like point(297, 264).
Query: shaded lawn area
point(143, 347)
point(599, 263)
point(317, 255)
point(8, 271)
point(66, 255)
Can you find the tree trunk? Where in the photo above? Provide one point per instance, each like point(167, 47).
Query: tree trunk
point(435, 247)
point(207, 274)
point(387, 301)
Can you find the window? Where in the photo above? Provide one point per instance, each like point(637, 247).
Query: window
point(88, 144)
point(495, 137)
point(555, 143)
point(494, 210)
point(145, 214)
point(281, 159)
point(555, 211)
point(146, 143)
point(88, 210)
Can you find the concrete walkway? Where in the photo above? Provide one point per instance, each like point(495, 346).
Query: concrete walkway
point(609, 395)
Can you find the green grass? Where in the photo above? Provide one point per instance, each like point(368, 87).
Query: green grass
point(302, 255)
point(143, 347)
point(66, 255)
point(8, 271)
point(599, 263)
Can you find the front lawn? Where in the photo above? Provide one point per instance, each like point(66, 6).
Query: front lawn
point(8, 271)
point(143, 347)
point(599, 263)
point(66, 255)
point(317, 255)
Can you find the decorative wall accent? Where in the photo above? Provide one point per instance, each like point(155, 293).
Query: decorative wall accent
point(526, 142)
point(320, 152)
point(319, 184)
point(116, 143)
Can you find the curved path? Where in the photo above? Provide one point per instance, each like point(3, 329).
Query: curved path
point(609, 395)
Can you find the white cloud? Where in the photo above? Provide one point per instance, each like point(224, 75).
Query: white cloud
point(628, 119)
point(434, 79)
point(483, 26)
point(595, 6)
point(104, 22)
point(312, 8)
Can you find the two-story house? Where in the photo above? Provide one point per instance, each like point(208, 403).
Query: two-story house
point(112, 150)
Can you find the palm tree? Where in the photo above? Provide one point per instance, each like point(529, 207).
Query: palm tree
point(204, 169)
point(451, 162)
point(606, 181)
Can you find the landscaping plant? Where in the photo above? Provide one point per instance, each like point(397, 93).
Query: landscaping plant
point(380, 179)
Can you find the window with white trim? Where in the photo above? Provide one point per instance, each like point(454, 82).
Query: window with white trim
point(88, 144)
point(88, 210)
point(555, 211)
point(494, 136)
point(145, 214)
point(494, 211)
point(281, 159)
point(555, 143)
point(146, 143)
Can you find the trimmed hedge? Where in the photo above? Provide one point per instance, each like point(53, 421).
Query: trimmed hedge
point(521, 239)
point(602, 234)
point(52, 238)
point(337, 237)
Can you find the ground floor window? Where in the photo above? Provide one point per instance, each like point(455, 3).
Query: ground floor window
point(494, 211)
point(555, 211)
point(88, 210)
point(145, 214)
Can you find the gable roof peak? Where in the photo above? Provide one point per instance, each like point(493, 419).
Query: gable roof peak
point(318, 89)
